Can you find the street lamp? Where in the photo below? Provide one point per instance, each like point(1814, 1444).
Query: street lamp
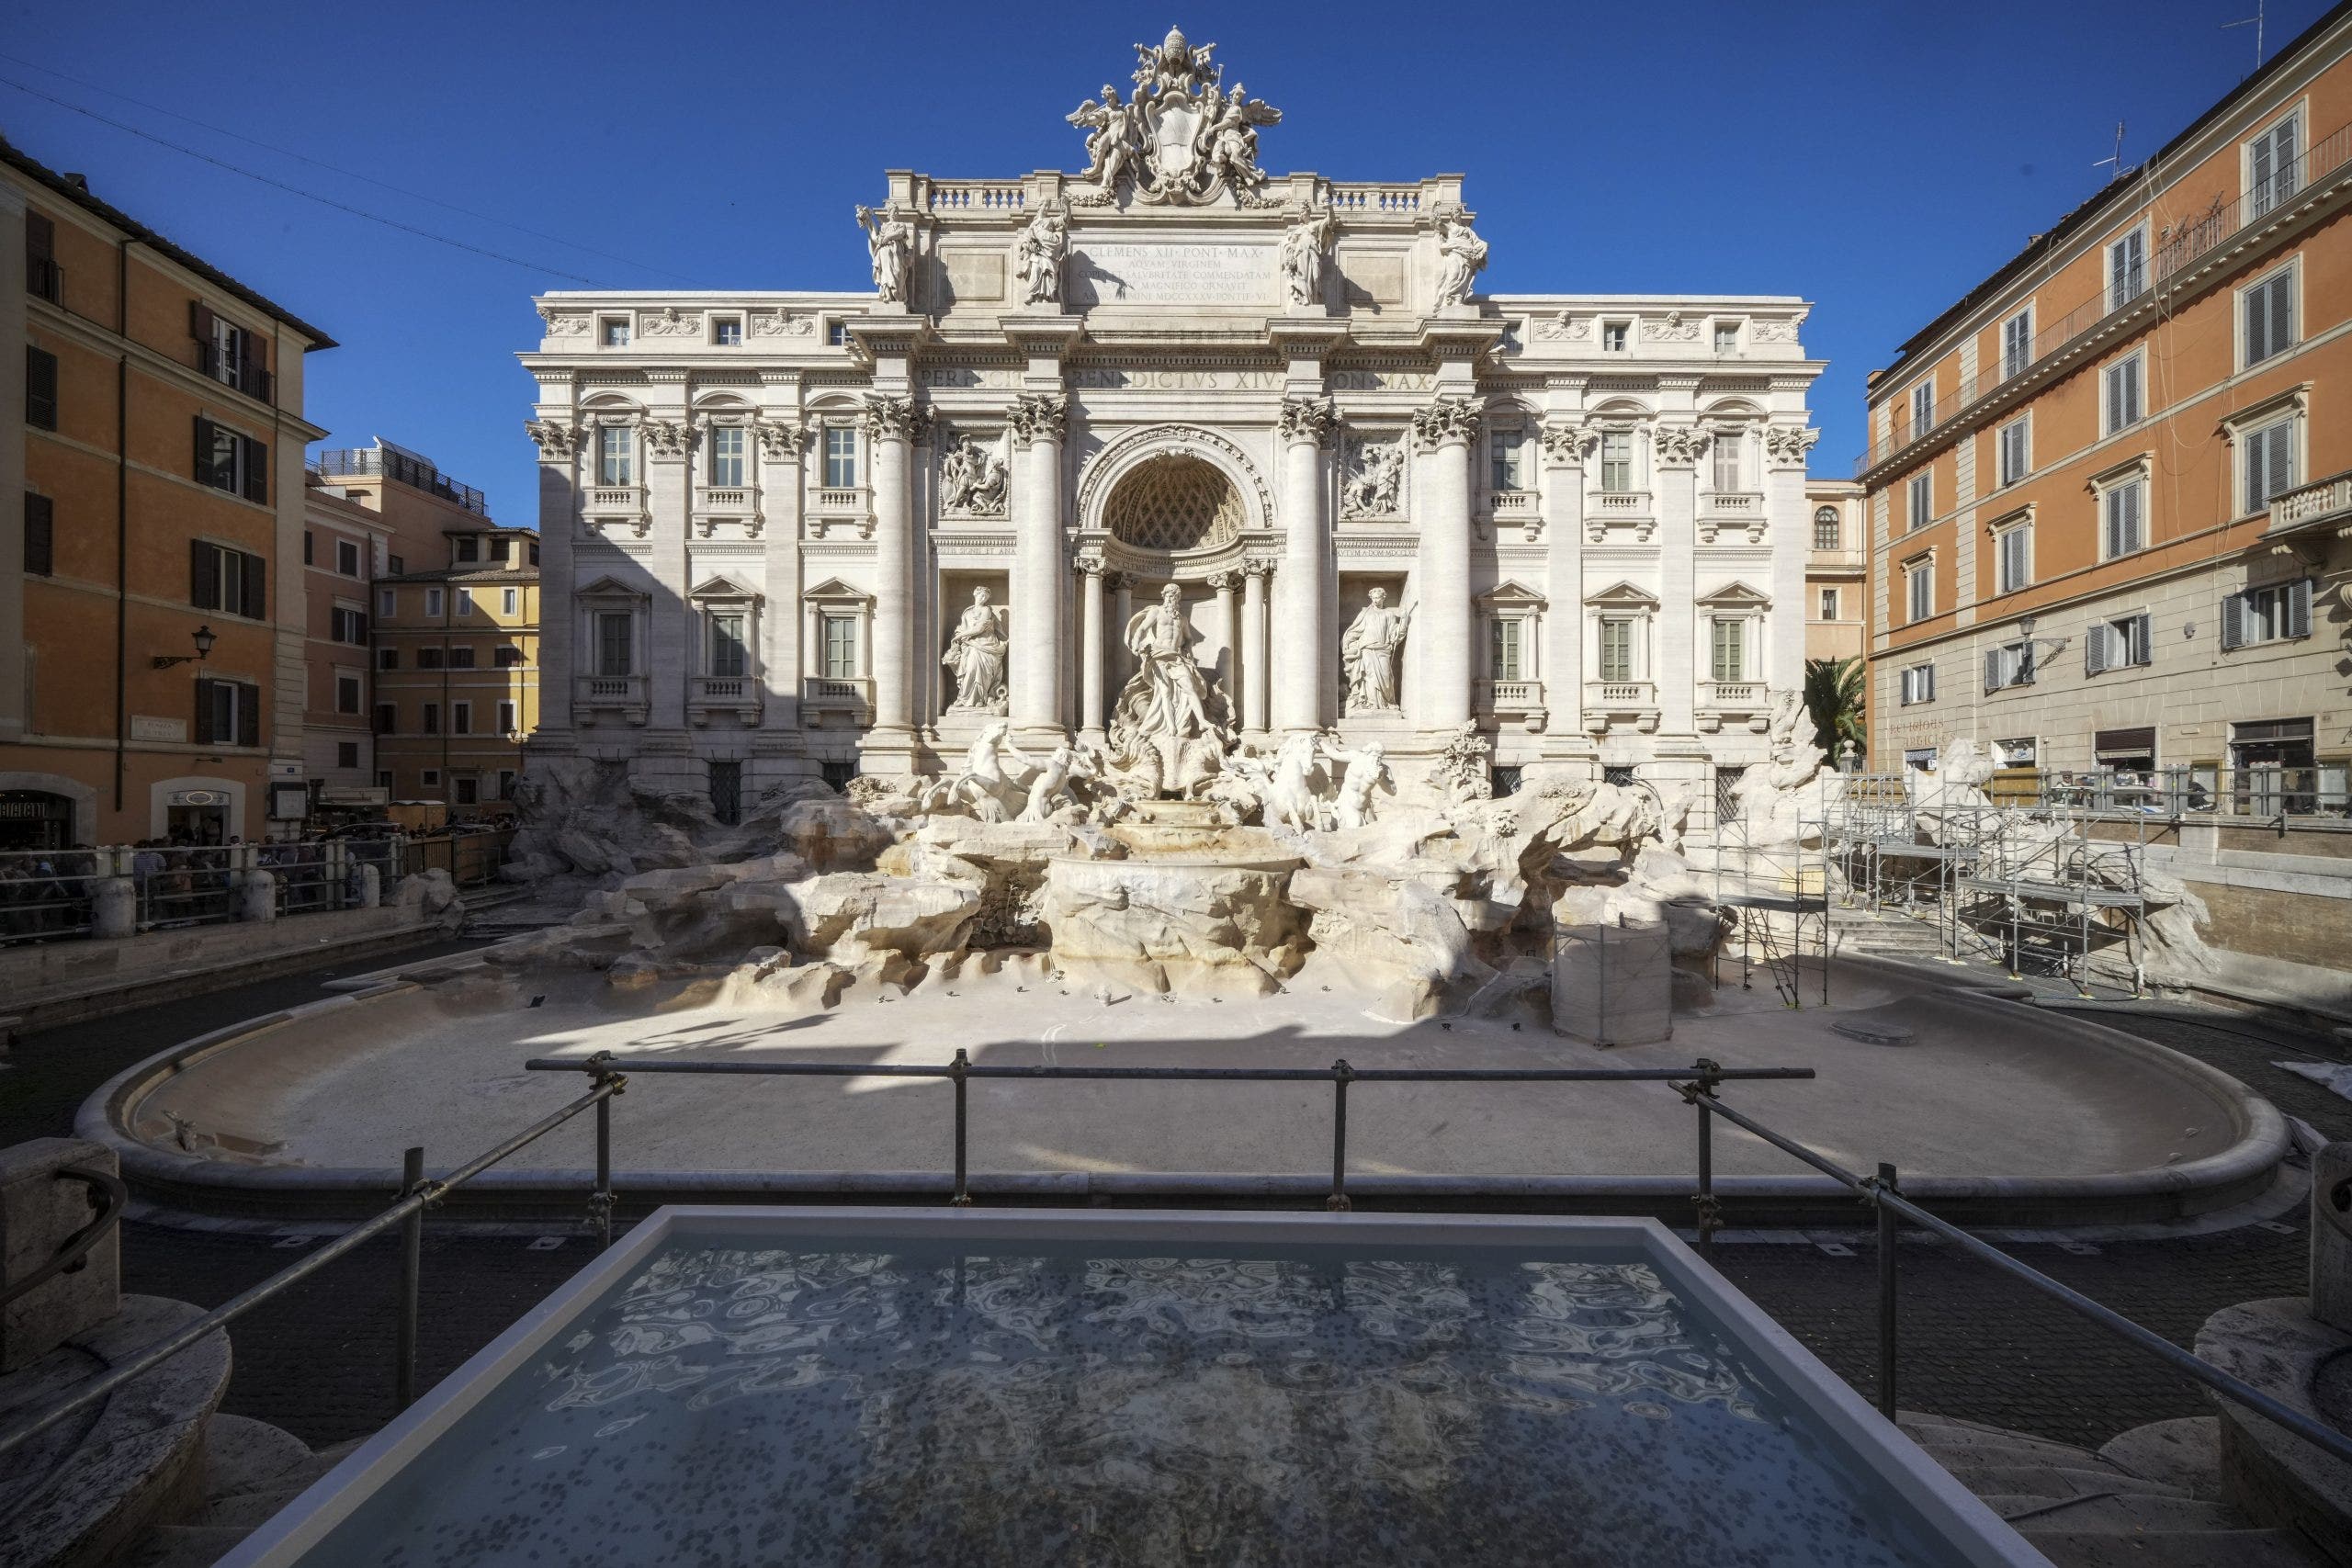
point(204, 639)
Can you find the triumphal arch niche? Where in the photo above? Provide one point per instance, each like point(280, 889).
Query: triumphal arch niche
point(1168, 439)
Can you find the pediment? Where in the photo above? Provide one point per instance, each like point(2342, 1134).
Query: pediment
point(609, 587)
point(724, 587)
point(1735, 596)
point(1625, 596)
point(1511, 592)
point(834, 591)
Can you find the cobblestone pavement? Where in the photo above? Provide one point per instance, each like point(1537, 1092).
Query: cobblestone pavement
point(1974, 1344)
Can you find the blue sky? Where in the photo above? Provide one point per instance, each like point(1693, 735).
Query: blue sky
point(1876, 158)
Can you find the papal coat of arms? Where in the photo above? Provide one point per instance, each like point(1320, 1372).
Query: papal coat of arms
point(1181, 140)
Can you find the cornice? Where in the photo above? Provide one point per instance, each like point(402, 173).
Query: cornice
point(104, 339)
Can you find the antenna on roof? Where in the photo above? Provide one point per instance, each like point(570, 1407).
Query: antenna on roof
point(2254, 22)
point(2114, 162)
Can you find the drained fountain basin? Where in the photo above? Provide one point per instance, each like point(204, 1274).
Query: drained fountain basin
point(763, 1385)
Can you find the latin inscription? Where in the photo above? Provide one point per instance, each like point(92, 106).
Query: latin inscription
point(1113, 273)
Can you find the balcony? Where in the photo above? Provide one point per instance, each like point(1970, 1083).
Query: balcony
point(1619, 509)
point(723, 696)
point(1512, 699)
point(1740, 511)
point(1607, 702)
point(2323, 504)
point(820, 695)
point(735, 504)
point(1736, 702)
point(595, 698)
point(603, 507)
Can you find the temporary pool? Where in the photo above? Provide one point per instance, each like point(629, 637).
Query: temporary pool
point(887, 1386)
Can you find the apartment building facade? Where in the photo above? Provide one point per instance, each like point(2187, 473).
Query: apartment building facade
point(150, 452)
point(1836, 564)
point(2104, 533)
point(345, 547)
point(457, 672)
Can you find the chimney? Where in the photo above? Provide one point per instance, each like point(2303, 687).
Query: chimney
point(79, 182)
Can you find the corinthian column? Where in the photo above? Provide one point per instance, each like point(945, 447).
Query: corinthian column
point(1035, 675)
point(1302, 661)
point(1565, 447)
point(1253, 646)
point(1443, 431)
point(1677, 449)
point(890, 425)
point(1089, 683)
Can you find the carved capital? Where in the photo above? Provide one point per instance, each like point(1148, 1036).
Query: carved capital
point(1091, 566)
point(1678, 445)
point(1038, 416)
point(781, 443)
point(892, 419)
point(1786, 445)
point(1569, 443)
point(1258, 566)
point(1309, 420)
point(1445, 421)
point(668, 437)
point(557, 442)
point(1222, 582)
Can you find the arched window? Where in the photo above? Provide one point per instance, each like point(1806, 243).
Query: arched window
point(1825, 529)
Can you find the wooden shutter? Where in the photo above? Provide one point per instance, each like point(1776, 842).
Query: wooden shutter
point(203, 711)
point(252, 366)
point(256, 470)
point(2279, 306)
point(2297, 606)
point(248, 714)
point(1993, 671)
point(41, 240)
point(41, 389)
point(205, 466)
point(2095, 661)
point(255, 586)
point(200, 324)
point(203, 575)
point(39, 541)
point(2234, 621)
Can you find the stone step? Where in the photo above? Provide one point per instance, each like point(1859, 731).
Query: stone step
point(2002, 1448)
point(2179, 1549)
point(244, 1455)
point(247, 1510)
point(2121, 1512)
point(2184, 1452)
point(184, 1546)
point(2041, 1479)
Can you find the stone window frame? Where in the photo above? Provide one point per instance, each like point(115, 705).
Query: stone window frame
point(1623, 601)
point(1998, 531)
point(725, 592)
point(1632, 421)
point(1735, 325)
point(2288, 404)
point(2288, 275)
point(1917, 516)
point(2140, 470)
point(1829, 516)
point(1738, 602)
point(836, 599)
point(1925, 560)
point(1515, 601)
point(609, 595)
point(823, 421)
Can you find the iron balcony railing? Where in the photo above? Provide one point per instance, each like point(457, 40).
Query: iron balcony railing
point(384, 463)
point(2178, 246)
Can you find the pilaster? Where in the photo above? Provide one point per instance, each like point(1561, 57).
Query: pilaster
point(1675, 450)
point(1442, 434)
point(781, 443)
point(1567, 444)
point(1304, 660)
point(561, 446)
point(1037, 651)
point(889, 422)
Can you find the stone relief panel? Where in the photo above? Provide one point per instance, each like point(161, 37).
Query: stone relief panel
point(1372, 483)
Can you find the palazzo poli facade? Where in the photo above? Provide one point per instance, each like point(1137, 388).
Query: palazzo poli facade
point(795, 532)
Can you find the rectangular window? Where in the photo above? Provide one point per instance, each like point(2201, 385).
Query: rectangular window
point(841, 457)
point(41, 545)
point(431, 658)
point(616, 454)
point(2127, 269)
point(387, 659)
point(462, 658)
point(432, 604)
point(729, 658)
point(727, 331)
point(501, 550)
point(347, 754)
point(1829, 604)
point(2011, 664)
point(2013, 550)
point(2121, 405)
point(228, 461)
point(432, 718)
point(2123, 519)
point(2117, 644)
point(1617, 648)
point(461, 718)
point(837, 333)
point(346, 694)
point(347, 556)
point(1726, 463)
point(466, 548)
point(43, 278)
point(1826, 529)
point(2267, 615)
point(465, 605)
point(231, 582)
point(727, 791)
point(2017, 343)
point(727, 455)
point(1503, 648)
point(1920, 589)
point(1919, 684)
point(346, 625)
point(2017, 452)
point(1921, 496)
point(1617, 460)
point(505, 722)
point(2269, 463)
point(614, 332)
point(387, 717)
point(1726, 337)
point(614, 640)
point(506, 784)
point(468, 790)
point(41, 389)
point(841, 647)
point(506, 658)
point(1614, 336)
point(387, 603)
point(393, 566)
point(228, 712)
point(2268, 314)
point(510, 600)
point(1726, 650)
point(307, 546)
point(2273, 172)
point(1507, 451)
point(430, 778)
point(1923, 408)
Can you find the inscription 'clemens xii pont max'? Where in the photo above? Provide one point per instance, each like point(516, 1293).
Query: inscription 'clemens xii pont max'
point(1111, 273)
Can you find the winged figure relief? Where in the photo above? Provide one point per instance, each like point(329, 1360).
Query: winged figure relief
point(1112, 140)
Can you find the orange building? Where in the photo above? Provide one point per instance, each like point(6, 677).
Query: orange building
point(149, 582)
point(346, 547)
point(2107, 491)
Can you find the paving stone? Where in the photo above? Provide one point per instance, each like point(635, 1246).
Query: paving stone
point(2199, 1549)
point(2184, 1452)
point(244, 1455)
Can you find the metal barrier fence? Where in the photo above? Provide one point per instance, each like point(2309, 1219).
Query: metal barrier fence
point(2266, 793)
point(46, 893)
point(1698, 1085)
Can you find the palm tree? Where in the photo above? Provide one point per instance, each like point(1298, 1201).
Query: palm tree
point(1834, 690)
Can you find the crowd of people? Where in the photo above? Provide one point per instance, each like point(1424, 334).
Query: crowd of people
point(46, 893)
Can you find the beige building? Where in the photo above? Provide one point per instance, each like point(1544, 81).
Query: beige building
point(1835, 570)
point(344, 550)
point(456, 671)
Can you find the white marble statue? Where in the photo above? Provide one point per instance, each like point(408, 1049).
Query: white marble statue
point(1291, 799)
point(973, 478)
point(1304, 244)
point(1113, 143)
point(1365, 772)
point(1462, 774)
point(1038, 254)
point(1372, 490)
point(1368, 654)
point(1462, 255)
point(1166, 696)
point(985, 789)
point(1051, 787)
point(890, 240)
point(976, 656)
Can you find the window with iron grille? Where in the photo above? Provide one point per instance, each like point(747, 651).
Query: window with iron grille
point(727, 791)
point(1826, 529)
point(1507, 781)
point(1727, 794)
point(1622, 777)
point(838, 775)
